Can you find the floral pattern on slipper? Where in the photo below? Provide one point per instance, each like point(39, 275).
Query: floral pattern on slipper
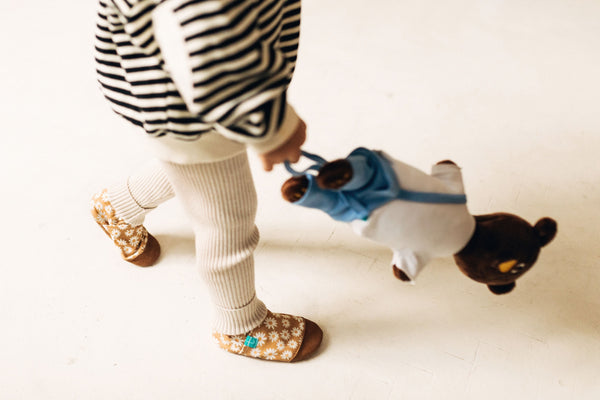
point(131, 240)
point(277, 338)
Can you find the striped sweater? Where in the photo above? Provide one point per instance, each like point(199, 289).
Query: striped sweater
point(238, 60)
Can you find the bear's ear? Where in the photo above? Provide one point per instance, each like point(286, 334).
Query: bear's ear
point(546, 230)
point(294, 188)
point(502, 289)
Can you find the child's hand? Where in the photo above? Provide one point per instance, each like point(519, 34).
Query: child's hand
point(289, 151)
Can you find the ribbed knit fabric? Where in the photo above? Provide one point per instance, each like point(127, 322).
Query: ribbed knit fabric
point(220, 200)
point(142, 192)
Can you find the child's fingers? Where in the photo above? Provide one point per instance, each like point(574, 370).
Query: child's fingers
point(294, 156)
point(267, 164)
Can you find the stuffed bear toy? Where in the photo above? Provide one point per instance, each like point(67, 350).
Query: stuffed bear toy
point(420, 216)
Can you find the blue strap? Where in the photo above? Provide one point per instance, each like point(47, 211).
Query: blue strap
point(432, 198)
point(315, 167)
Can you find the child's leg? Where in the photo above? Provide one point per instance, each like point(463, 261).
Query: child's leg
point(220, 200)
point(120, 212)
point(142, 192)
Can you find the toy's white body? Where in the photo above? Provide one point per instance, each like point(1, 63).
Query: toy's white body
point(418, 232)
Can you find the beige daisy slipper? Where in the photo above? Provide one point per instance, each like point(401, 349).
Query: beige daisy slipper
point(280, 337)
point(135, 243)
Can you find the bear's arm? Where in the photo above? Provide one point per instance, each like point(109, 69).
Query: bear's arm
point(450, 174)
point(409, 262)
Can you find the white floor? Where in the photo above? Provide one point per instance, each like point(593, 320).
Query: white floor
point(508, 89)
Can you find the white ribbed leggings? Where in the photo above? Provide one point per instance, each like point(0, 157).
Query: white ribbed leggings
point(220, 200)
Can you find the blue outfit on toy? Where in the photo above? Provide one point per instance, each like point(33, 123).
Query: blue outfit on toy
point(373, 184)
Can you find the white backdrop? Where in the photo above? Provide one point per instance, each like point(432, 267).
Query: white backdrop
point(508, 89)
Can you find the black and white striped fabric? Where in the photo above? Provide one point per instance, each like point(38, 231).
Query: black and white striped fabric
point(242, 55)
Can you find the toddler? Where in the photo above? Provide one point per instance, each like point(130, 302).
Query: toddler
point(205, 80)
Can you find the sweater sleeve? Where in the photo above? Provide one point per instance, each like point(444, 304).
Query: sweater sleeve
point(227, 68)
